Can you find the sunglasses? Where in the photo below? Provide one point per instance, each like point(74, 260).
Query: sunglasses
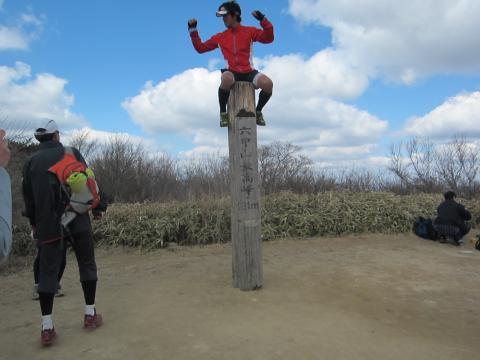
point(222, 13)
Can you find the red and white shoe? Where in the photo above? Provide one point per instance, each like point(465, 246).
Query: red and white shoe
point(48, 337)
point(92, 322)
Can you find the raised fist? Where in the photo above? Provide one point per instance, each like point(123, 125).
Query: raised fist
point(192, 23)
point(258, 15)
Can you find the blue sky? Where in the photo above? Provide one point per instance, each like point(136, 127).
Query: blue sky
point(372, 73)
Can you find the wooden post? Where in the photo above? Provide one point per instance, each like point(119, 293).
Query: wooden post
point(247, 269)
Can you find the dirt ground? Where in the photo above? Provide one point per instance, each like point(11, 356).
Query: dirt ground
point(367, 297)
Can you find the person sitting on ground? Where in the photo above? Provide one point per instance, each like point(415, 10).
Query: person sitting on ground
point(5, 201)
point(46, 202)
point(236, 46)
point(451, 218)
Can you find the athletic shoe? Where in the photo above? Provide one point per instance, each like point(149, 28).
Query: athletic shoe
point(48, 337)
point(92, 322)
point(59, 292)
point(224, 119)
point(260, 119)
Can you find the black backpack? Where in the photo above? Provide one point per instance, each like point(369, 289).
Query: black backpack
point(424, 228)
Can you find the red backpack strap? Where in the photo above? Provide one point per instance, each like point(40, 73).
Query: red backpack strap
point(92, 186)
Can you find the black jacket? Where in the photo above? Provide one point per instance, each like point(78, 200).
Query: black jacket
point(44, 200)
point(452, 213)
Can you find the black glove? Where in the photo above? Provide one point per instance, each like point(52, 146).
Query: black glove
point(97, 214)
point(258, 15)
point(104, 201)
point(192, 24)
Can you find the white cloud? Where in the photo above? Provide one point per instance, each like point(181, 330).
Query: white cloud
point(322, 122)
point(31, 19)
point(12, 39)
point(300, 110)
point(92, 142)
point(458, 115)
point(306, 108)
point(105, 137)
point(323, 74)
point(366, 162)
point(215, 64)
point(335, 152)
point(341, 156)
point(333, 158)
point(183, 103)
point(19, 35)
point(378, 162)
point(28, 100)
point(200, 152)
point(401, 40)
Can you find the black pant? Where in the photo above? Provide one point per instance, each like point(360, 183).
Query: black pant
point(464, 230)
point(52, 254)
point(456, 232)
point(36, 266)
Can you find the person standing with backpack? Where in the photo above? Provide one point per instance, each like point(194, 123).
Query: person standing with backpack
point(46, 202)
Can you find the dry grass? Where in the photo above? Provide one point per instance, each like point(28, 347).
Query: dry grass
point(153, 225)
point(283, 215)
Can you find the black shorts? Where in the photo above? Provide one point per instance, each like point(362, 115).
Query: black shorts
point(247, 77)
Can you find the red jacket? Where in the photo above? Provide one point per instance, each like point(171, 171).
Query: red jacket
point(236, 44)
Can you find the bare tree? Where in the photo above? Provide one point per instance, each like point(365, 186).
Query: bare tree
point(281, 165)
point(420, 165)
point(323, 180)
point(18, 131)
point(115, 166)
point(129, 173)
point(421, 154)
point(458, 163)
point(206, 176)
point(398, 165)
point(82, 141)
point(413, 163)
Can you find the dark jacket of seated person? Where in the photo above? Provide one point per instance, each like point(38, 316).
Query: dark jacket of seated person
point(449, 212)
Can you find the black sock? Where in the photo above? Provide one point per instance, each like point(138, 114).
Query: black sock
point(89, 290)
point(46, 303)
point(263, 99)
point(223, 99)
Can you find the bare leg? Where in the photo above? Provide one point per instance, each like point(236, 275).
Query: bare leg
point(265, 83)
point(227, 80)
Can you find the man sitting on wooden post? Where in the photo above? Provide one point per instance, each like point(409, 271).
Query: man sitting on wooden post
point(236, 46)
